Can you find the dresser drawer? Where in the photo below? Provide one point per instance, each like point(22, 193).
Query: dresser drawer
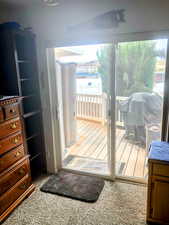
point(11, 111)
point(1, 115)
point(10, 127)
point(161, 170)
point(11, 157)
point(14, 193)
point(13, 176)
point(10, 142)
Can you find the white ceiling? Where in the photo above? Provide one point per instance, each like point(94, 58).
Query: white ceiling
point(62, 3)
point(33, 3)
point(20, 3)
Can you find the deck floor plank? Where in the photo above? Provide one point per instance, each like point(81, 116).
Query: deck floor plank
point(125, 155)
point(100, 148)
point(132, 162)
point(120, 150)
point(139, 170)
point(95, 144)
point(90, 141)
point(79, 148)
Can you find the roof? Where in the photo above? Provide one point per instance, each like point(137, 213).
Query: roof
point(81, 74)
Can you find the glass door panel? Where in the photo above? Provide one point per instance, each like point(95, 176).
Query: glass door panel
point(140, 76)
point(85, 79)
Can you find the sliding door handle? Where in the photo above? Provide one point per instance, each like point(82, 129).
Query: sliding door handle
point(57, 113)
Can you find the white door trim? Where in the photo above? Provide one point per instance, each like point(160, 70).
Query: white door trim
point(44, 81)
point(55, 104)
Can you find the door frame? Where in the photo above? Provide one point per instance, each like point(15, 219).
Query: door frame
point(115, 39)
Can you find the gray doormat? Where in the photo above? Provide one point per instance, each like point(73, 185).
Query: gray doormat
point(80, 187)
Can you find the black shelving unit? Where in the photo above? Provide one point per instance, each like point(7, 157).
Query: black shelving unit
point(19, 76)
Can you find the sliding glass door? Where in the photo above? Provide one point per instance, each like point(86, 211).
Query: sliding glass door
point(110, 106)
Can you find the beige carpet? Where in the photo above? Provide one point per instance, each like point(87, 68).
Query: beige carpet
point(118, 204)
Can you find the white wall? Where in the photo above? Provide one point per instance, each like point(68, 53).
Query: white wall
point(6, 14)
point(52, 23)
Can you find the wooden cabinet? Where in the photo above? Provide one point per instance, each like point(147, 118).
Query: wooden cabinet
point(15, 178)
point(158, 183)
point(19, 77)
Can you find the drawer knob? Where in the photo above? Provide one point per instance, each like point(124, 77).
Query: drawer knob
point(23, 186)
point(21, 171)
point(13, 126)
point(17, 154)
point(12, 111)
point(16, 140)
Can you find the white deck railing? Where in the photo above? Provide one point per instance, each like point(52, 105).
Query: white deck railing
point(91, 107)
point(94, 107)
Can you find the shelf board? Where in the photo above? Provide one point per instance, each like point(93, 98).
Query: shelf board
point(26, 115)
point(23, 61)
point(32, 136)
point(35, 156)
point(25, 79)
point(29, 96)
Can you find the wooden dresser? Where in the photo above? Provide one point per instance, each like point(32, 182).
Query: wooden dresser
point(15, 179)
point(158, 183)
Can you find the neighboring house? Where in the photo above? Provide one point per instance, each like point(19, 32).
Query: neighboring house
point(88, 80)
point(89, 86)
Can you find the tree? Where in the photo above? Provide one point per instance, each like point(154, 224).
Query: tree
point(104, 60)
point(135, 66)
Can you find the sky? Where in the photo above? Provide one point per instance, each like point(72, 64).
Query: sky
point(161, 44)
point(88, 53)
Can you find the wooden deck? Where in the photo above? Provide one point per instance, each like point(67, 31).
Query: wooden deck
point(92, 143)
